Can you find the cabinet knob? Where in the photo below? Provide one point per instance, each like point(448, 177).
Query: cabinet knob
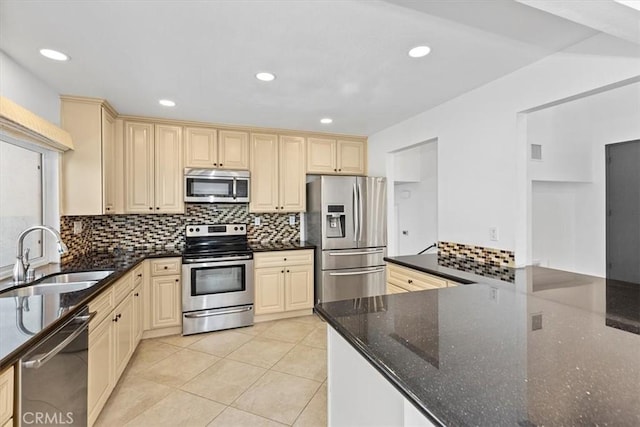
point(150, 208)
point(281, 207)
point(409, 281)
point(277, 207)
point(108, 209)
point(281, 271)
point(115, 319)
point(221, 164)
point(339, 170)
point(165, 267)
point(119, 315)
point(288, 271)
point(177, 280)
point(157, 207)
point(136, 294)
point(215, 164)
point(140, 275)
point(285, 259)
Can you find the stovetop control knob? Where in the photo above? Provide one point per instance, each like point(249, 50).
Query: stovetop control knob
point(235, 228)
point(197, 229)
point(241, 228)
point(191, 229)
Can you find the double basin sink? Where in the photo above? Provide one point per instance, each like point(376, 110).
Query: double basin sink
point(60, 283)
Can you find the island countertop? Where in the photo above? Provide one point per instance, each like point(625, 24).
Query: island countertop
point(552, 348)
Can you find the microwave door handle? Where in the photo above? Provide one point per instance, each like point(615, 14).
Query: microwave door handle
point(235, 188)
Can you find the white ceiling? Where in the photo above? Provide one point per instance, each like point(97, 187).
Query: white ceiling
point(342, 59)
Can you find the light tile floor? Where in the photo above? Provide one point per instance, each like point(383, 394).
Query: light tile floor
point(269, 374)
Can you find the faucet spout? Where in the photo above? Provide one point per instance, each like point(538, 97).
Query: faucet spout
point(21, 266)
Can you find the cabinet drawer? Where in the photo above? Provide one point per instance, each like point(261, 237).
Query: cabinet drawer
point(393, 289)
point(282, 258)
point(413, 280)
point(6, 395)
point(138, 274)
point(165, 266)
point(122, 288)
point(103, 305)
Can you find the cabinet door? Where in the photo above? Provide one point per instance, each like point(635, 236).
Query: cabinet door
point(6, 394)
point(139, 174)
point(168, 170)
point(166, 305)
point(101, 371)
point(123, 335)
point(109, 161)
point(137, 314)
point(200, 148)
point(269, 284)
point(321, 155)
point(298, 287)
point(264, 173)
point(351, 157)
point(233, 150)
point(292, 186)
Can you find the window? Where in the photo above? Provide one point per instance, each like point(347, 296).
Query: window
point(23, 200)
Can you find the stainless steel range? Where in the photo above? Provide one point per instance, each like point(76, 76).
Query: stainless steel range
point(217, 278)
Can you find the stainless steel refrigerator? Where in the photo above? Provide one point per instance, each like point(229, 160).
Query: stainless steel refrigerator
point(347, 220)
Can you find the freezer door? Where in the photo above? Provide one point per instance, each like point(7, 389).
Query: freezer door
point(352, 283)
point(371, 207)
point(337, 205)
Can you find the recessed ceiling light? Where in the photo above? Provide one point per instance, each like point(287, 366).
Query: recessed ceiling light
point(54, 54)
point(167, 103)
point(265, 77)
point(419, 51)
point(326, 121)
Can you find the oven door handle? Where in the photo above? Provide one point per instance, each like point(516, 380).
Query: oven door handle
point(37, 363)
point(204, 262)
point(219, 312)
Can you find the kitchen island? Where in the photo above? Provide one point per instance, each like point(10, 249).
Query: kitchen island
point(551, 348)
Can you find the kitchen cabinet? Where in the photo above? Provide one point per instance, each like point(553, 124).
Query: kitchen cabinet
point(6, 395)
point(208, 148)
point(402, 279)
point(277, 173)
point(331, 156)
point(166, 293)
point(153, 168)
point(101, 379)
point(138, 304)
point(123, 335)
point(92, 173)
point(283, 284)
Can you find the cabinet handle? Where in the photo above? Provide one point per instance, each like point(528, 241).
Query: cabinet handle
point(136, 294)
point(140, 275)
point(409, 281)
point(285, 259)
point(339, 170)
point(221, 164)
point(277, 207)
point(108, 209)
point(281, 207)
point(115, 319)
point(119, 315)
point(157, 207)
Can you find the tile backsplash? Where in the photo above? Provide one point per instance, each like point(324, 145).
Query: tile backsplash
point(106, 232)
point(480, 254)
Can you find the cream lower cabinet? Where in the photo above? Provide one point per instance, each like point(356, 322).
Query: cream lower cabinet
point(101, 367)
point(283, 284)
point(402, 279)
point(6, 396)
point(153, 168)
point(330, 156)
point(277, 173)
point(165, 293)
point(124, 340)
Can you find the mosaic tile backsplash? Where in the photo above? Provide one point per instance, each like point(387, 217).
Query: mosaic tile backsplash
point(106, 232)
point(480, 254)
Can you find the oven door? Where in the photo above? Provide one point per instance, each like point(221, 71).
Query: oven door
point(218, 284)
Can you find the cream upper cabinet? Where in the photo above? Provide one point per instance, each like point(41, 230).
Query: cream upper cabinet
point(330, 156)
point(264, 173)
point(233, 150)
point(168, 170)
point(92, 172)
point(139, 167)
point(154, 171)
point(200, 147)
point(208, 148)
point(351, 157)
point(321, 156)
point(277, 173)
point(292, 190)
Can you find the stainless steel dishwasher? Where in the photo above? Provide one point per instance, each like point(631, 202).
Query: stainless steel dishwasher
point(53, 376)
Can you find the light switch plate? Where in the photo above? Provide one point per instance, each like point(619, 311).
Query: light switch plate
point(292, 220)
point(77, 227)
point(257, 221)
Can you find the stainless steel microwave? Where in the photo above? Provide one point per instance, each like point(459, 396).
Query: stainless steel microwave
point(216, 186)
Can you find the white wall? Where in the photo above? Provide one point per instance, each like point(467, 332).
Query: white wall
point(479, 185)
point(417, 202)
point(568, 219)
point(27, 90)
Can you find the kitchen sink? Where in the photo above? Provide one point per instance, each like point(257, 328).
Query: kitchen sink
point(83, 276)
point(49, 288)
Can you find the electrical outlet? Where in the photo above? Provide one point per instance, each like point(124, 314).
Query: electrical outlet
point(257, 221)
point(493, 234)
point(536, 321)
point(405, 232)
point(77, 227)
point(493, 294)
point(292, 220)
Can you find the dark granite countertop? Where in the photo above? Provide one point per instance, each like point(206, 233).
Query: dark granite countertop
point(279, 246)
point(552, 348)
point(24, 321)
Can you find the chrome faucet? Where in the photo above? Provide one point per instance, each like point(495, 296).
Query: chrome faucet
point(22, 258)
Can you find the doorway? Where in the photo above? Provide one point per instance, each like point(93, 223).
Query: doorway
point(623, 211)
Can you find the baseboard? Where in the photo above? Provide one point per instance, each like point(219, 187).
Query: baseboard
point(283, 315)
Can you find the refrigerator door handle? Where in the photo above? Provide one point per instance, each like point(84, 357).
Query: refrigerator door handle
point(358, 273)
point(354, 212)
point(375, 251)
point(360, 210)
